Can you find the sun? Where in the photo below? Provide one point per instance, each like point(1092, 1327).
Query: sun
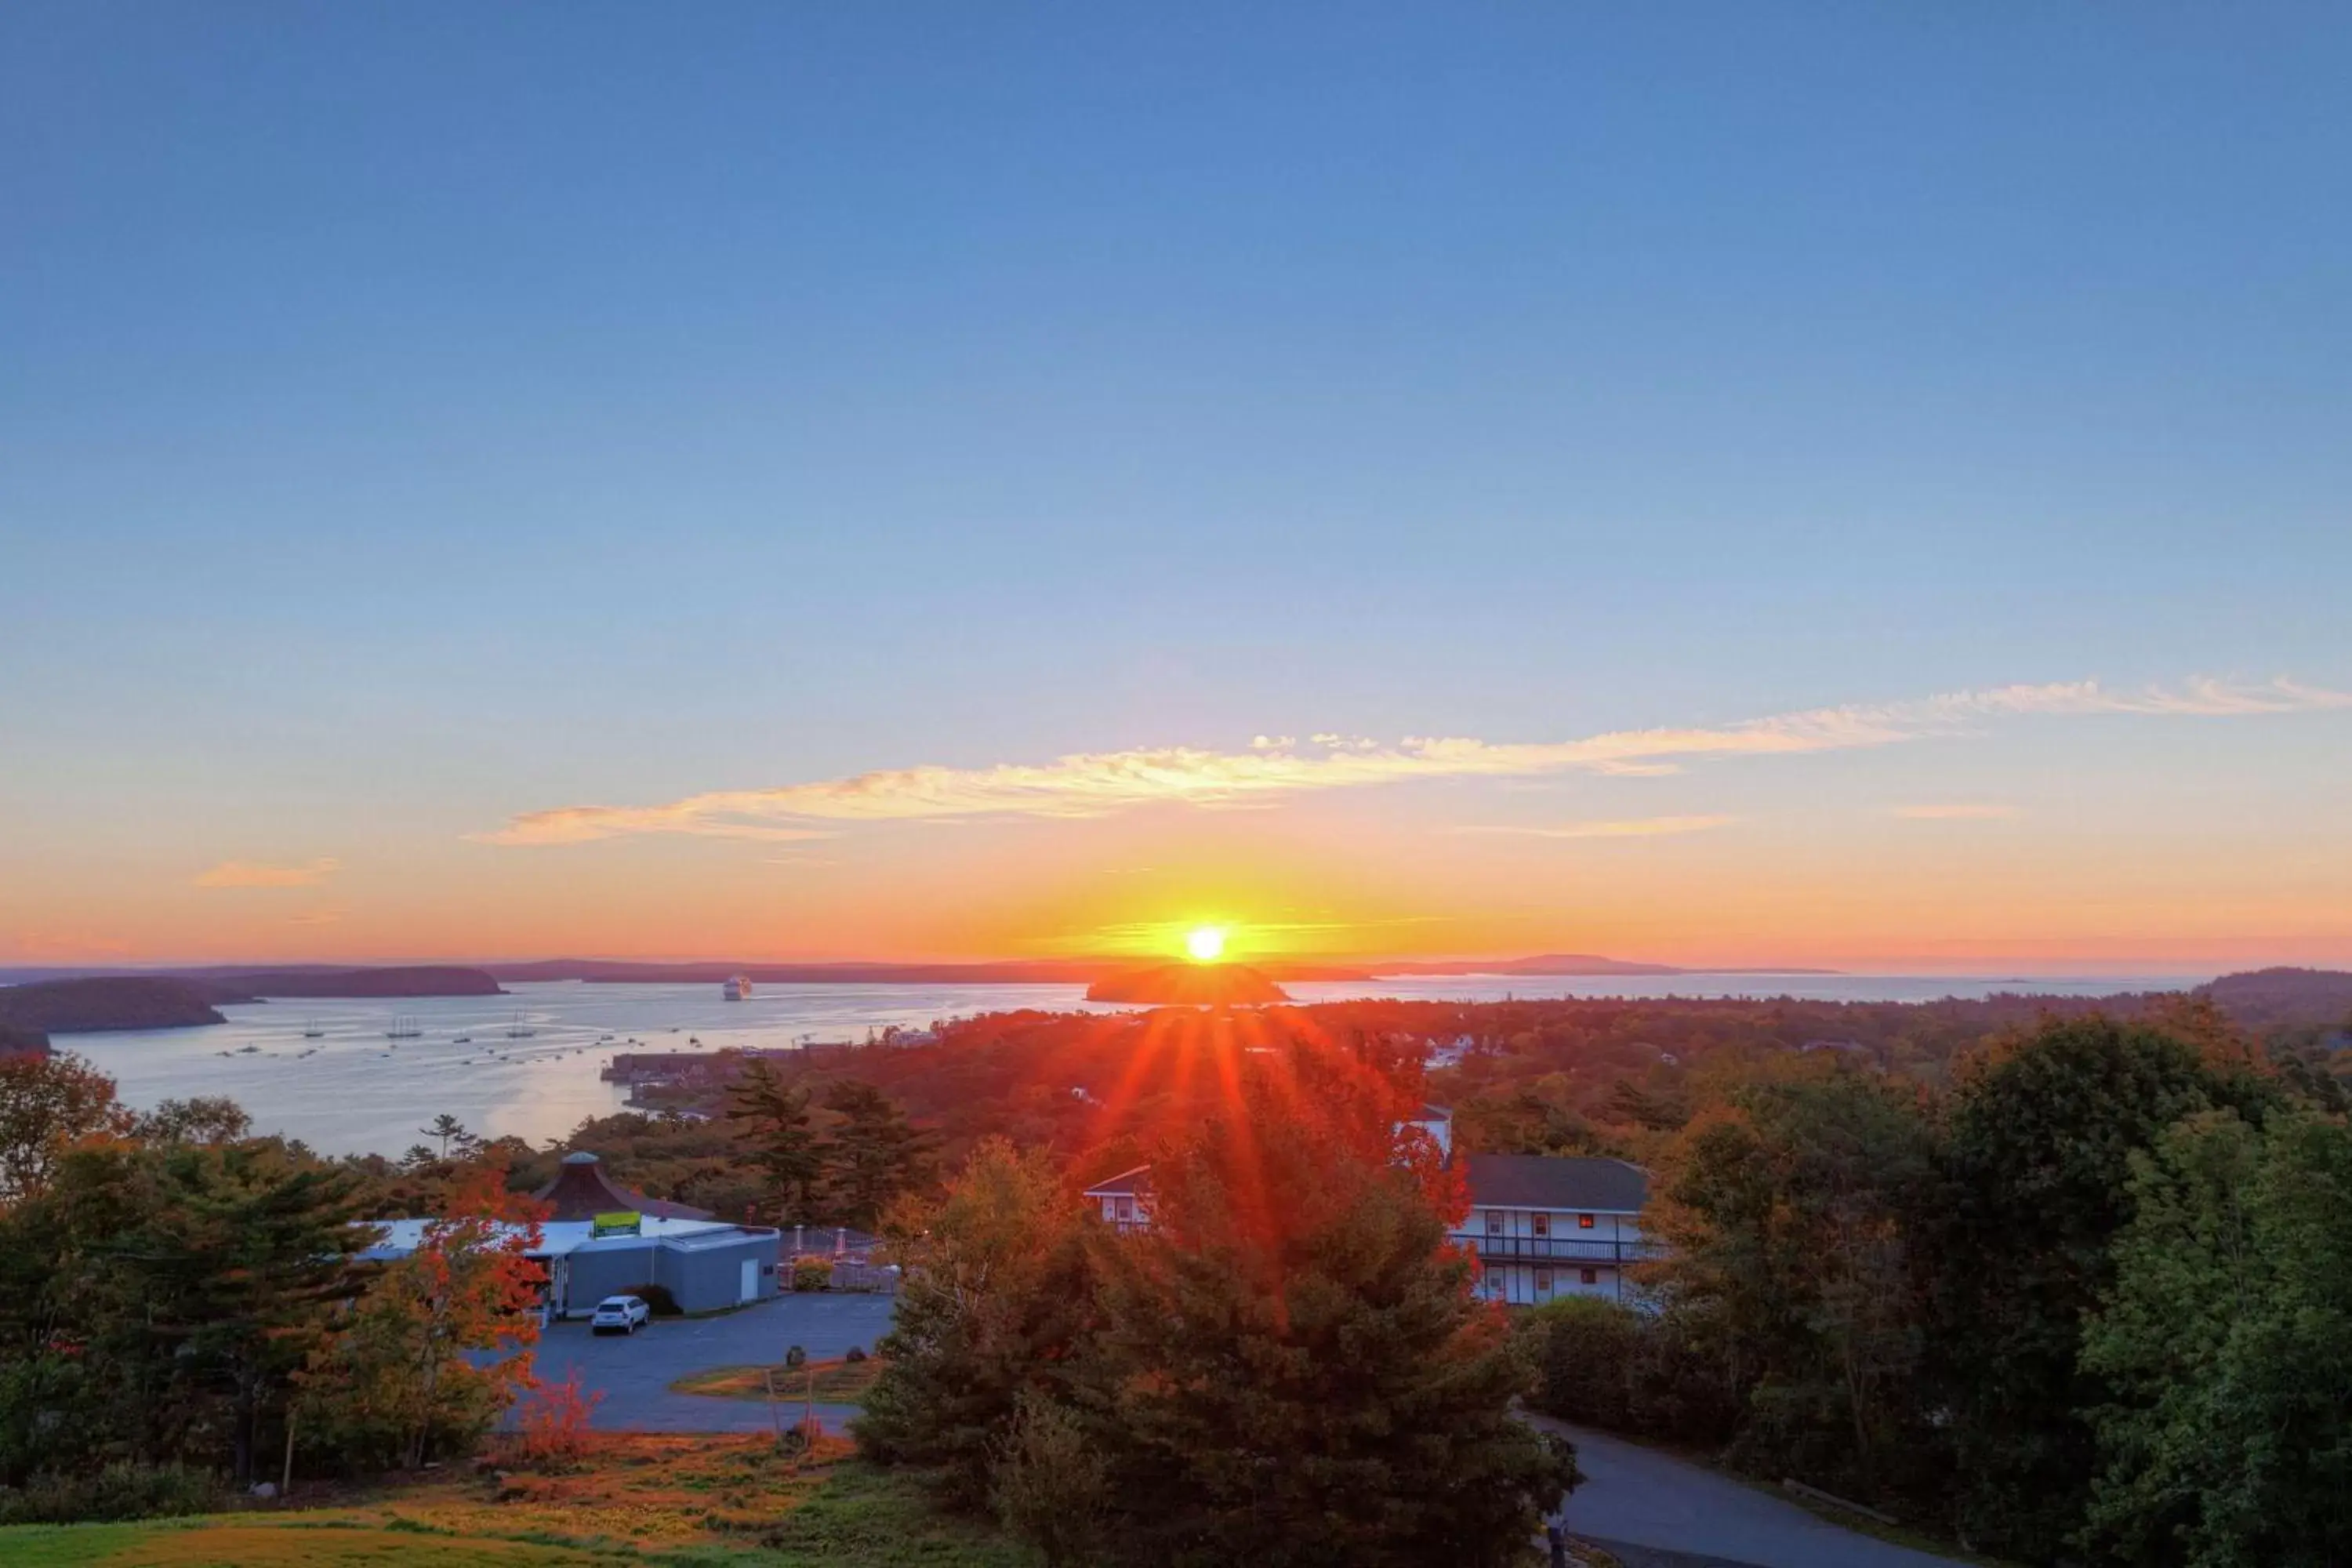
point(1205, 944)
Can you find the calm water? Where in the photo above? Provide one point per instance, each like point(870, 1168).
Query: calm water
point(354, 1091)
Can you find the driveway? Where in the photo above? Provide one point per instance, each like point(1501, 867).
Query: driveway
point(1658, 1512)
point(633, 1372)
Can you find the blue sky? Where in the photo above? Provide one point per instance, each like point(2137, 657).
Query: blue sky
point(412, 417)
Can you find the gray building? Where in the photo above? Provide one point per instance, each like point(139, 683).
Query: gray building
point(604, 1239)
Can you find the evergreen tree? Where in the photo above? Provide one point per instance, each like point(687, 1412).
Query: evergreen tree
point(872, 1154)
point(773, 1118)
point(160, 1299)
point(1293, 1370)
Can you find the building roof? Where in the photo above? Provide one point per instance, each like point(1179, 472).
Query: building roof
point(558, 1238)
point(1544, 1182)
point(1126, 1184)
point(582, 1191)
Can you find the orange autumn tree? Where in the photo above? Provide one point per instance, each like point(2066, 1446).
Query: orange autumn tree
point(441, 1343)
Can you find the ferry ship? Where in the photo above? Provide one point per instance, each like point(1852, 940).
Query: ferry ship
point(737, 989)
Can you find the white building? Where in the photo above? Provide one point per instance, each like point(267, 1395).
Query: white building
point(1545, 1226)
point(1542, 1227)
point(1124, 1200)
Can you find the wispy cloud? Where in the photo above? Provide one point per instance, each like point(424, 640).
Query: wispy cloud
point(1630, 827)
point(254, 874)
point(316, 918)
point(1956, 812)
point(1099, 783)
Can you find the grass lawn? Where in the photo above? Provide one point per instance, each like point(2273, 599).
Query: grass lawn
point(837, 1382)
point(680, 1500)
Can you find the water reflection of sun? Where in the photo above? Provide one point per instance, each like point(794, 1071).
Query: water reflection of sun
point(1205, 944)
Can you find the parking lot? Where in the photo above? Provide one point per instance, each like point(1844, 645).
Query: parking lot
point(633, 1372)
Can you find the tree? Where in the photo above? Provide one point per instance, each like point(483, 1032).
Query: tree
point(1788, 1211)
point(205, 1118)
point(155, 1300)
point(873, 1155)
point(1292, 1368)
point(448, 1129)
point(441, 1343)
point(2038, 1165)
point(773, 1117)
point(46, 1103)
point(2227, 1341)
point(996, 1302)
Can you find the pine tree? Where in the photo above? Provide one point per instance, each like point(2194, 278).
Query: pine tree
point(873, 1155)
point(1293, 1370)
point(773, 1118)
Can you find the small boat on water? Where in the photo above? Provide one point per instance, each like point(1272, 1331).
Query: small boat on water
point(520, 1030)
point(312, 1031)
point(463, 1041)
point(402, 1028)
point(737, 989)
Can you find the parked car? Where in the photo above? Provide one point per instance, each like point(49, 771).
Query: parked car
point(620, 1315)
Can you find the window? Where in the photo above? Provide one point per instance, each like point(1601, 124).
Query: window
point(1494, 1222)
point(1589, 1276)
point(1584, 1222)
point(1543, 1224)
point(1543, 1279)
point(1127, 1208)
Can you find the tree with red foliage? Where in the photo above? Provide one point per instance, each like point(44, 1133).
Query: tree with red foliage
point(407, 1374)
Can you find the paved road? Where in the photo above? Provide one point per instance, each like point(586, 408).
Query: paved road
point(633, 1372)
point(1657, 1512)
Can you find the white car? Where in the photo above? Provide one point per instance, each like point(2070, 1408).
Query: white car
point(620, 1315)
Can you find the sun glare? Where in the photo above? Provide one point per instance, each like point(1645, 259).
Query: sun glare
point(1205, 944)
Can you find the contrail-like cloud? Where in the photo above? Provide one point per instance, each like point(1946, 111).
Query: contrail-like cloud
point(1628, 827)
point(252, 874)
point(1098, 783)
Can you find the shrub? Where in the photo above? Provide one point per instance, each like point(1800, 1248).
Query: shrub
point(1585, 1351)
point(121, 1491)
point(552, 1429)
point(853, 1355)
point(1050, 1483)
point(1601, 1364)
point(811, 1273)
point(655, 1297)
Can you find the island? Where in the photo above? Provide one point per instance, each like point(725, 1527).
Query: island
point(111, 1001)
point(1189, 986)
point(190, 998)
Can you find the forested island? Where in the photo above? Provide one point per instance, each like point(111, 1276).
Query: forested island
point(114, 1002)
point(1190, 985)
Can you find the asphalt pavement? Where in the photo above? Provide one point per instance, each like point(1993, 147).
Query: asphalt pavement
point(1657, 1512)
point(633, 1372)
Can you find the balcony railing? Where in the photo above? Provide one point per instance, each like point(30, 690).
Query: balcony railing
point(1556, 1248)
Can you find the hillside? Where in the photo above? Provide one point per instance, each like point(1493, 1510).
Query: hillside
point(420, 980)
point(2263, 998)
point(112, 1002)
